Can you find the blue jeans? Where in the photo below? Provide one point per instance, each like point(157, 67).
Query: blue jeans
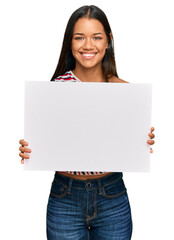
point(95, 209)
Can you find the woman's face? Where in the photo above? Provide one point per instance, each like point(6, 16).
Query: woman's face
point(89, 43)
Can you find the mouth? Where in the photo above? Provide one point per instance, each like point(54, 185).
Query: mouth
point(88, 56)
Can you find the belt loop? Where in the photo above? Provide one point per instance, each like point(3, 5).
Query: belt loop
point(69, 187)
point(99, 186)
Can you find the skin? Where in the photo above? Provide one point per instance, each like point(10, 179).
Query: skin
point(89, 44)
point(89, 37)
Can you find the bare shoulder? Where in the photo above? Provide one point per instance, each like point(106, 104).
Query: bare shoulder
point(116, 80)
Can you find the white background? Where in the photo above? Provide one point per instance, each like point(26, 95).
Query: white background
point(31, 38)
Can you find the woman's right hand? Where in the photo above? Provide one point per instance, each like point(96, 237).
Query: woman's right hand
point(23, 150)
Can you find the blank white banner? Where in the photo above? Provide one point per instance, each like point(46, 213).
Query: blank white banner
point(88, 126)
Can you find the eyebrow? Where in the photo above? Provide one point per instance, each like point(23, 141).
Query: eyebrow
point(83, 34)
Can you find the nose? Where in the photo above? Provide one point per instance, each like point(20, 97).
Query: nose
point(88, 45)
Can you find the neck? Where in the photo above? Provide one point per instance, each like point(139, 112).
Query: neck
point(89, 75)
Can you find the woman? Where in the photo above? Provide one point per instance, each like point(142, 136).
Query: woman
point(87, 205)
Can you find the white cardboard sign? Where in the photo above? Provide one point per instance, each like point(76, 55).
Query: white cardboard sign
point(88, 126)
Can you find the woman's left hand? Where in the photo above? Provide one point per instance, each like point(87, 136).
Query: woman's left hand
point(151, 135)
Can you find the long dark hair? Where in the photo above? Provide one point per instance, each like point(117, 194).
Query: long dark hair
point(67, 61)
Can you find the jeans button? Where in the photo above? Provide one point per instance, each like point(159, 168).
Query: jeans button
point(88, 185)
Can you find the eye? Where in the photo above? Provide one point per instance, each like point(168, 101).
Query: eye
point(97, 38)
point(78, 38)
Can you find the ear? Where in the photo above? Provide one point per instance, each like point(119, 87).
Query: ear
point(111, 37)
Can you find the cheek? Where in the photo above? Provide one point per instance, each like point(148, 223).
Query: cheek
point(102, 46)
point(102, 49)
point(76, 46)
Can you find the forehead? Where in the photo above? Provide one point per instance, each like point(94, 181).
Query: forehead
point(88, 25)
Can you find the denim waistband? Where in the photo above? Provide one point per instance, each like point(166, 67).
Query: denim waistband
point(88, 184)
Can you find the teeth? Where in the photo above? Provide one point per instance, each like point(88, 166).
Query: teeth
point(87, 54)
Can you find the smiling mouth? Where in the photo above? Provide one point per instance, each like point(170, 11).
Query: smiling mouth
point(88, 55)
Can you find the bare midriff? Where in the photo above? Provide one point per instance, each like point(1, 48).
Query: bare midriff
point(84, 177)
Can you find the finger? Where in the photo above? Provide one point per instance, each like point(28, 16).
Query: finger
point(151, 135)
point(151, 142)
point(151, 150)
point(23, 143)
point(23, 149)
point(22, 161)
point(24, 156)
point(152, 129)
